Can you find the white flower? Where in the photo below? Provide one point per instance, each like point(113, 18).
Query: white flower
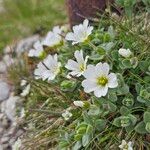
point(126, 146)
point(37, 51)
point(125, 52)
point(17, 145)
point(98, 79)
point(66, 115)
point(23, 83)
point(48, 69)
point(26, 91)
point(53, 38)
point(79, 66)
point(80, 32)
point(78, 103)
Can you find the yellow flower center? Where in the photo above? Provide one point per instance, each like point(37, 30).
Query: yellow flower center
point(102, 81)
point(82, 68)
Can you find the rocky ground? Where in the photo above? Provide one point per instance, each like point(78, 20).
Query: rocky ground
point(10, 129)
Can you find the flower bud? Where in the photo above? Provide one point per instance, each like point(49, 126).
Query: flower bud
point(125, 52)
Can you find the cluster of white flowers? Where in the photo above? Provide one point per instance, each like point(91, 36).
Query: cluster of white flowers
point(52, 39)
point(97, 77)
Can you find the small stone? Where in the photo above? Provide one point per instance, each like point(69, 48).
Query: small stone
point(4, 90)
point(1, 130)
point(1, 148)
point(26, 44)
point(4, 139)
point(3, 67)
point(8, 60)
point(9, 107)
point(6, 147)
point(1, 116)
point(5, 123)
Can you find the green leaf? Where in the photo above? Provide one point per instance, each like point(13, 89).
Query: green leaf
point(63, 144)
point(134, 62)
point(120, 2)
point(114, 55)
point(125, 121)
point(81, 130)
point(89, 129)
point(94, 110)
point(144, 65)
point(126, 63)
point(112, 96)
point(100, 124)
point(85, 139)
point(78, 137)
point(67, 85)
point(123, 90)
point(146, 117)
point(117, 122)
point(129, 128)
point(140, 128)
point(140, 99)
point(112, 107)
point(148, 127)
point(124, 111)
point(138, 87)
point(128, 102)
point(133, 119)
point(107, 46)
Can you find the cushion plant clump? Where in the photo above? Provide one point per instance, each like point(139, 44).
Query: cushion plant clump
point(90, 87)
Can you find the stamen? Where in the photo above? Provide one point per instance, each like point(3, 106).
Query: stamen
point(102, 81)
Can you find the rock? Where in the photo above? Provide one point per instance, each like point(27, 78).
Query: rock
point(9, 49)
point(3, 67)
point(5, 123)
point(1, 130)
point(9, 107)
point(4, 90)
point(26, 44)
point(8, 60)
point(4, 139)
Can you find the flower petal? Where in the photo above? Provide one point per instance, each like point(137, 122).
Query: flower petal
point(101, 91)
point(90, 72)
point(112, 80)
point(72, 65)
point(89, 86)
point(102, 69)
point(79, 56)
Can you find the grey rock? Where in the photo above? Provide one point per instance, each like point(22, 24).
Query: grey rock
point(9, 107)
point(5, 123)
point(8, 60)
point(3, 67)
point(1, 130)
point(26, 44)
point(4, 90)
point(4, 139)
